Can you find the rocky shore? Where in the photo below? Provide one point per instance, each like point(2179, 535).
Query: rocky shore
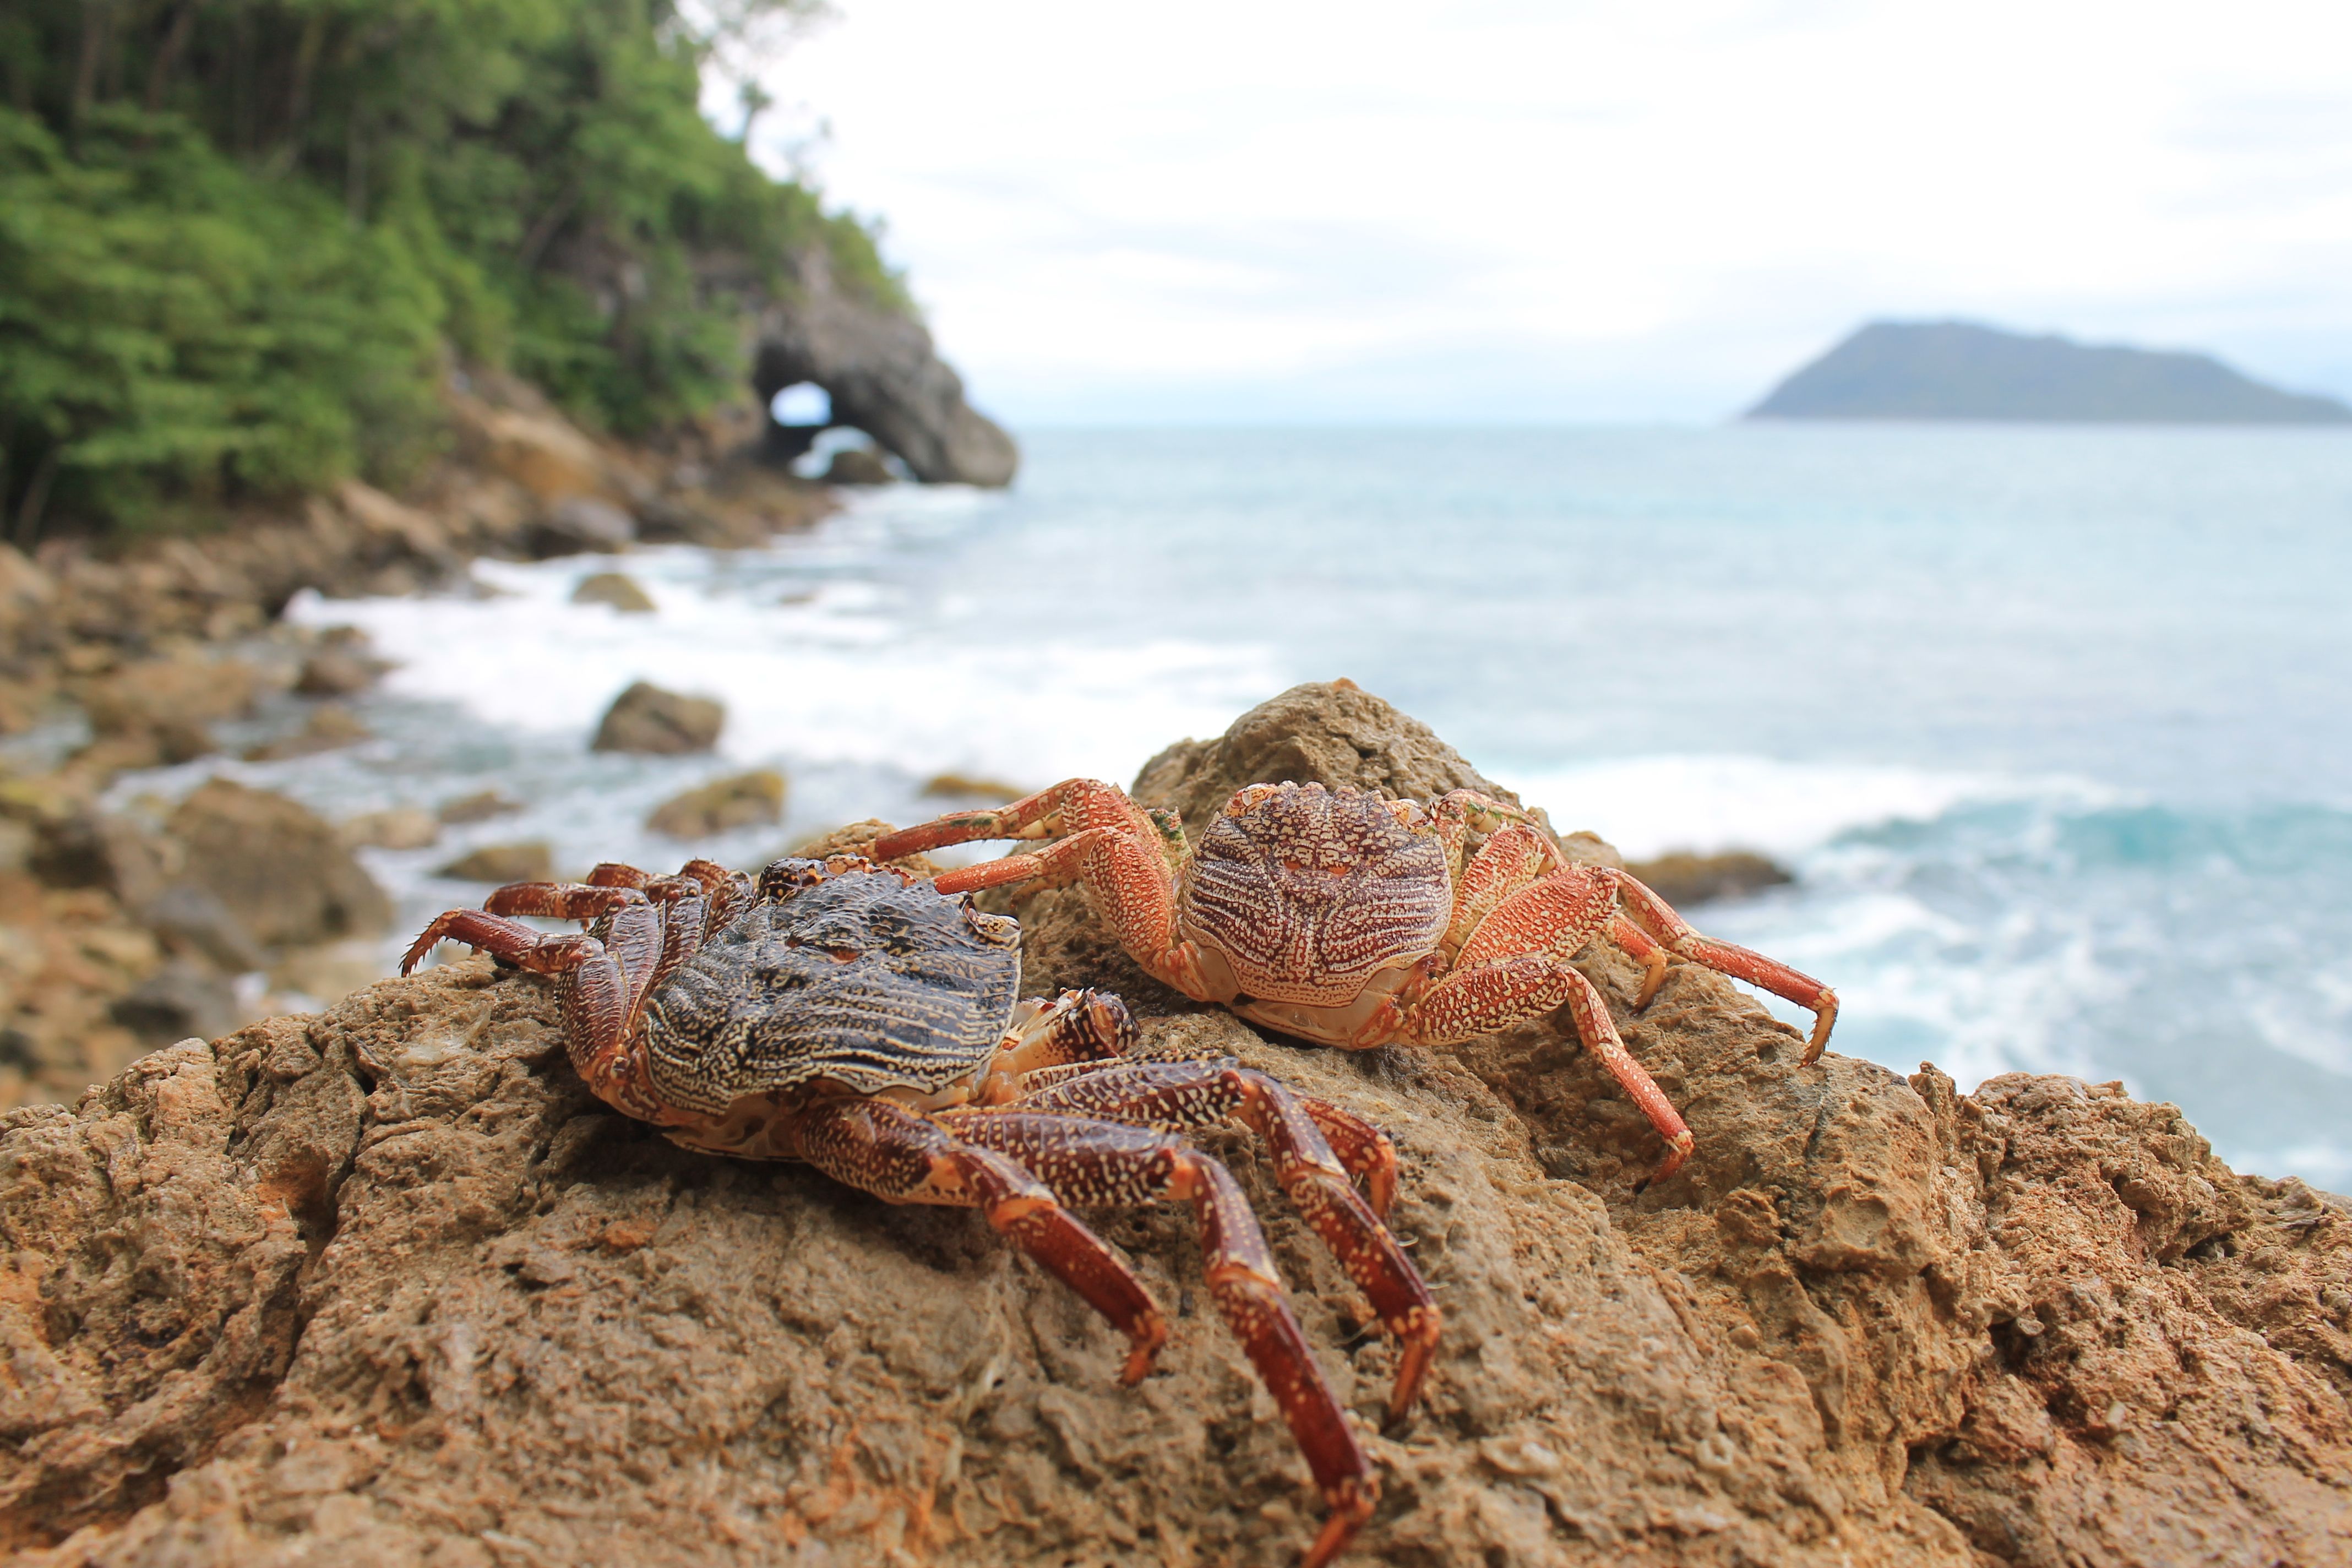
point(122, 930)
point(385, 1284)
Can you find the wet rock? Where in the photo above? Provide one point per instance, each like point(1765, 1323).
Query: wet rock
point(647, 719)
point(583, 523)
point(1684, 879)
point(530, 861)
point(858, 466)
point(617, 589)
point(477, 807)
point(1875, 1322)
point(339, 666)
point(330, 726)
point(277, 864)
point(743, 800)
point(178, 1000)
point(395, 827)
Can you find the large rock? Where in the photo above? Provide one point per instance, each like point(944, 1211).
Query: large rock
point(884, 376)
point(387, 1285)
point(647, 719)
point(277, 864)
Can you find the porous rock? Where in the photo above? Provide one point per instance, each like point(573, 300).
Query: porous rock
point(403, 1288)
point(647, 719)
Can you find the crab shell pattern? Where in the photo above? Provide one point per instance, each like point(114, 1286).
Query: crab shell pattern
point(853, 1018)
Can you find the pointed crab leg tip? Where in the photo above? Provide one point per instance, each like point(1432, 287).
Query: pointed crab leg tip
point(1351, 1504)
point(1673, 1162)
point(1825, 1014)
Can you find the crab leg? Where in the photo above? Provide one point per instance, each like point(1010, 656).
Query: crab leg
point(1173, 1095)
point(902, 1157)
point(1658, 917)
point(1128, 881)
point(598, 995)
point(560, 900)
point(1089, 1160)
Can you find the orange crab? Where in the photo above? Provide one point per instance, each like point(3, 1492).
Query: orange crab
point(1354, 921)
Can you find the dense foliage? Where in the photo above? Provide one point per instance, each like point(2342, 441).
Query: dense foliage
point(236, 235)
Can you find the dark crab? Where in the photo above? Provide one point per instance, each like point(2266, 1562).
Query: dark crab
point(850, 1016)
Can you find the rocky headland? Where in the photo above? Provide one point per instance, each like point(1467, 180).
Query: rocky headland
point(386, 1284)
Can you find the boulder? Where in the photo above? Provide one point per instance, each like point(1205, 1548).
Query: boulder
point(341, 665)
point(538, 449)
point(430, 1301)
point(883, 375)
point(160, 710)
point(1683, 878)
point(617, 589)
point(647, 719)
point(858, 466)
point(530, 861)
point(583, 523)
point(277, 864)
point(743, 800)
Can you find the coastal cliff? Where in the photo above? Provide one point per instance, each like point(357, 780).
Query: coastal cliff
point(386, 1284)
point(1958, 370)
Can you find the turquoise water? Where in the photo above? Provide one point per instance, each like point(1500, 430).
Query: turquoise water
point(2049, 721)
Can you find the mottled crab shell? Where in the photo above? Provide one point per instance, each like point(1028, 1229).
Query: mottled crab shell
point(1308, 892)
point(860, 978)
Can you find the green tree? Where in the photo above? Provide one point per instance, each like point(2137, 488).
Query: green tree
point(233, 234)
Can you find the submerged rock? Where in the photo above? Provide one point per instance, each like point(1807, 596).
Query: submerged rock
point(647, 719)
point(422, 1286)
point(617, 589)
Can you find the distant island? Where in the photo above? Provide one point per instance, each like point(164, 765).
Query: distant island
point(1958, 370)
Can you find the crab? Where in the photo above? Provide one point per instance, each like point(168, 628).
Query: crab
point(853, 1018)
point(1349, 918)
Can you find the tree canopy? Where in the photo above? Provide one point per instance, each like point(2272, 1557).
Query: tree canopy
point(238, 239)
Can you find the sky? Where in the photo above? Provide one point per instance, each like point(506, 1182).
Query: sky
point(1498, 213)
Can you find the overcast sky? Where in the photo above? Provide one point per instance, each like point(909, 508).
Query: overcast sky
point(1222, 212)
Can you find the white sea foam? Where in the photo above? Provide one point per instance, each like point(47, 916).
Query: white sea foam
point(1649, 805)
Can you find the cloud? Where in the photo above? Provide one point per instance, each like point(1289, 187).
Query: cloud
point(1387, 211)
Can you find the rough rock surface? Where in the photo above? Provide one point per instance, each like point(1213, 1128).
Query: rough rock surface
point(386, 1285)
point(884, 377)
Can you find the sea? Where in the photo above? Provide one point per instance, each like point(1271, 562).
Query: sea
point(2053, 725)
